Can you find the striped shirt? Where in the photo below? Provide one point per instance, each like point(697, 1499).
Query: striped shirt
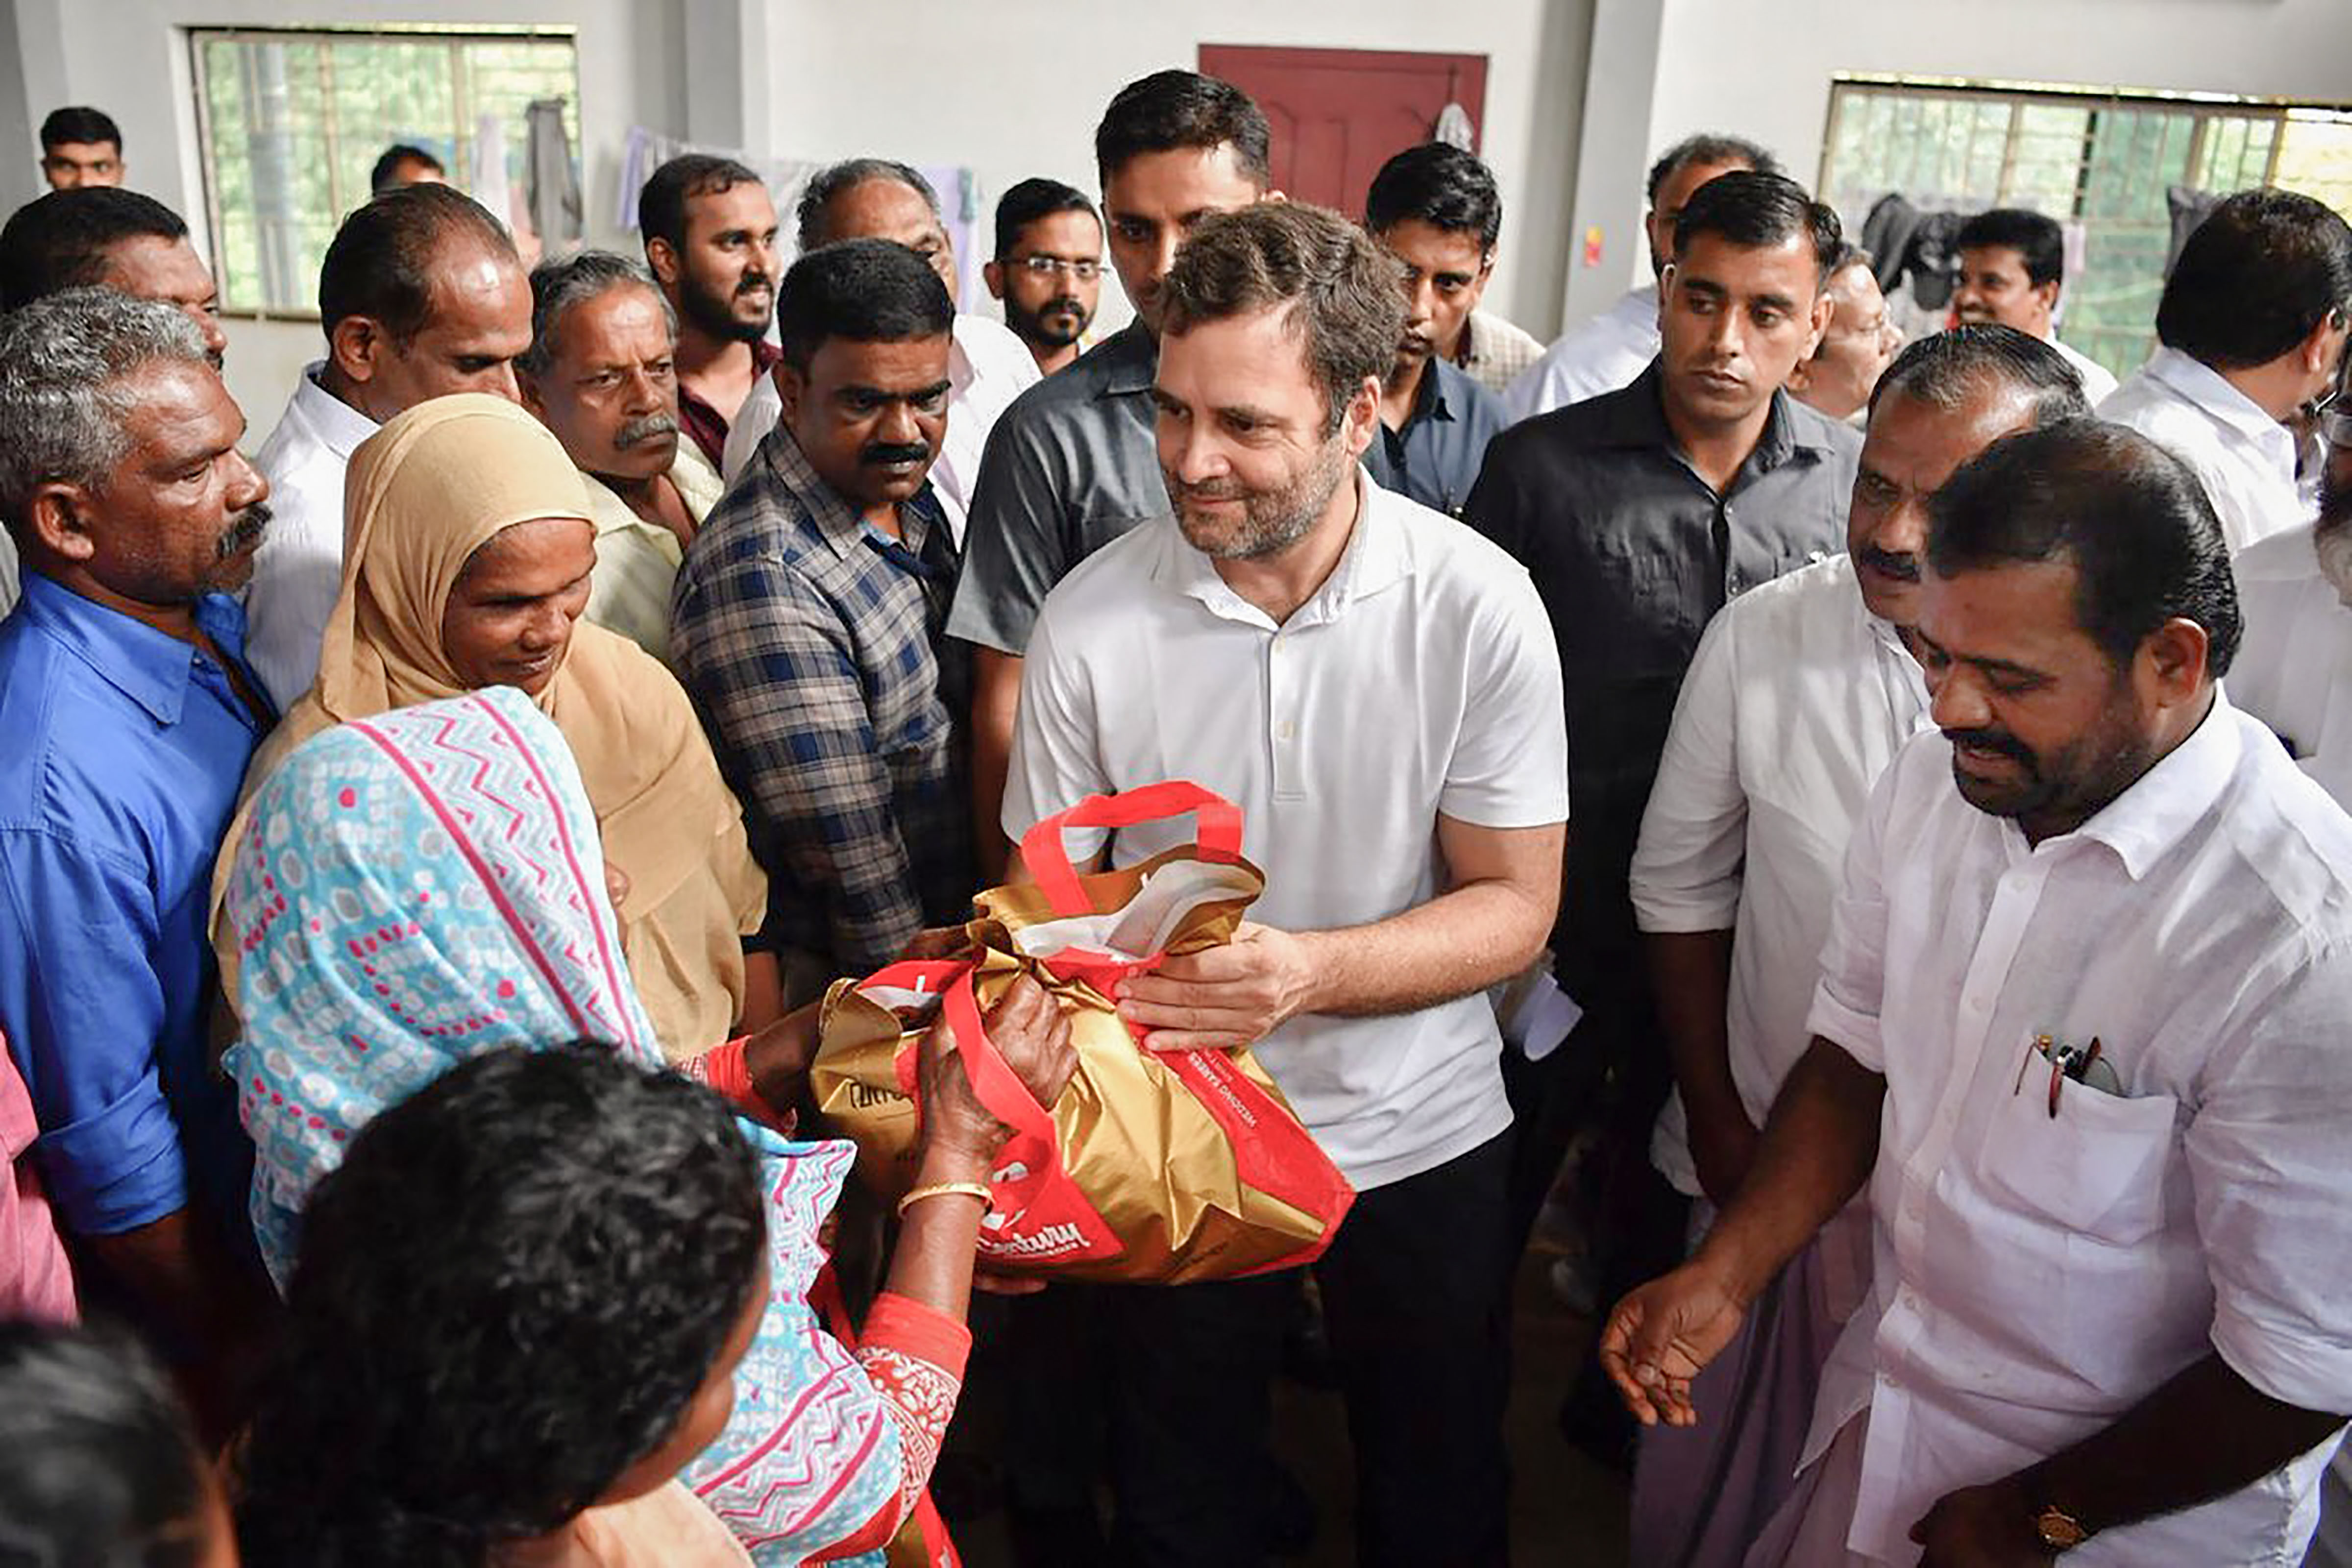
point(811, 643)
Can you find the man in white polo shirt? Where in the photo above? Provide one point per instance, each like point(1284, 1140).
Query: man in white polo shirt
point(1378, 688)
point(2081, 1027)
point(2253, 324)
point(1800, 692)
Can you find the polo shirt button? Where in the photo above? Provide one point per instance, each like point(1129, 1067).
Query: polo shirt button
point(1284, 731)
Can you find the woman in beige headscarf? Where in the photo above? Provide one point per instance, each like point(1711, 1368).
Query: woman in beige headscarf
point(467, 554)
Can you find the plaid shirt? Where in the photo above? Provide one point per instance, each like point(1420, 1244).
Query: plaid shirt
point(812, 643)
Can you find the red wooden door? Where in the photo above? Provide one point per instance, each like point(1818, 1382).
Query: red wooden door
point(1338, 114)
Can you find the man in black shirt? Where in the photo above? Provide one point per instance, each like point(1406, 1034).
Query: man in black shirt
point(1639, 513)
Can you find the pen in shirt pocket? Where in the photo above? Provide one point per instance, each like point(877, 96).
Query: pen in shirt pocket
point(2089, 1065)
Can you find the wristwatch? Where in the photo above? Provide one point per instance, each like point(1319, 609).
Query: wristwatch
point(2058, 1529)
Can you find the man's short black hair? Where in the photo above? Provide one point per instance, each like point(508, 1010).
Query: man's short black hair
point(2263, 269)
point(1173, 108)
point(834, 179)
point(1756, 211)
point(1025, 202)
point(386, 175)
point(2132, 519)
point(1443, 186)
point(62, 241)
point(866, 291)
point(661, 204)
point(2037, 240)
point(1708, 147)
point(382, 262)
point(79, 125)
point(1944, 368)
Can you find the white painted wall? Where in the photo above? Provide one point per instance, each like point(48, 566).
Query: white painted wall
point(1764, 69)
point(1014, 89)
point(130, 58)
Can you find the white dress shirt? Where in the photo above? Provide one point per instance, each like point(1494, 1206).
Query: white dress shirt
point(987, 367)
point(2098, 382)
point(297, 573)
point(2293, 670)
point(1596, 356)
point(1795, 701)
point(2037, 1277)
point(2245, 458)
point(1421, 678)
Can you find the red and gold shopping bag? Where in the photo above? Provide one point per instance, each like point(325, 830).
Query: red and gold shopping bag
point(1152, 1167)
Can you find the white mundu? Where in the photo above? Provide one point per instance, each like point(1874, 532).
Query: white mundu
point(2038, 1275)
point(1421, 678)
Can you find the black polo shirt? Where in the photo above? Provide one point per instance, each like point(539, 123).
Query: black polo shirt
point(1633, 552)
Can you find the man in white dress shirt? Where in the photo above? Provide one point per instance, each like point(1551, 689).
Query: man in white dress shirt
point(987, 367)
point(2012, 265)
point(1613, 348)
point(1243, 641)
point(2254, 323)
point(421, 295)
point(2081, 1027)
point(1800, 692)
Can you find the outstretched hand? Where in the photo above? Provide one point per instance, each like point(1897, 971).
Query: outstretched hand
point(1659, 1337)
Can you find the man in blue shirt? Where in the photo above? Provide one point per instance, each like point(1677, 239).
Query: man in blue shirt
point(131, 716)
point(1435, 207)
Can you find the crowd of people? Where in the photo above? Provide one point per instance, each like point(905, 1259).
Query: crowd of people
point(427, 846)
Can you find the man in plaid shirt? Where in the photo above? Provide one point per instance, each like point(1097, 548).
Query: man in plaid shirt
point(807, 623)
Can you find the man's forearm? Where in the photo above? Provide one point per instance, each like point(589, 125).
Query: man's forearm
point(1460, 942)
point(2205, 1434)
point(1690, 973)
point(1818, 1148)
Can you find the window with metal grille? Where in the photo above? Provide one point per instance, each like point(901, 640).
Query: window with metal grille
point(2102, 158)
point(291, 121)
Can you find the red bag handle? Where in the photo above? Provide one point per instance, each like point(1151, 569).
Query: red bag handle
point(1000, 1088)
point(1218, 835)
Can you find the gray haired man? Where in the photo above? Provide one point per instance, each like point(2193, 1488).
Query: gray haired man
point(601, 374)
point(129, 715)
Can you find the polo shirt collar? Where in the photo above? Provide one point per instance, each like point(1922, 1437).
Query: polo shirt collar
point(830, 517)
point(2163, 804)
point(2205, 387)
point(1131, 361)
point(1378, 556)
point(151, 667)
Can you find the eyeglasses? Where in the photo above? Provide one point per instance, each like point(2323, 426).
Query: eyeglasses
point(1046, 266)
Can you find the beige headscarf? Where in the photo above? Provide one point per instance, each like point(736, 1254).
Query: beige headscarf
point(424, 493)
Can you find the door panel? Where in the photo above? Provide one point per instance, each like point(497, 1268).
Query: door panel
point(1338, 115)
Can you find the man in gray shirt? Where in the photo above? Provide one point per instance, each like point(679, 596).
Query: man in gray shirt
point(1072, 464)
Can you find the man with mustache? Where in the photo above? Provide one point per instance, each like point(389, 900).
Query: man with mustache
point(878, 198)
point(1071, 466)
point(602, 373)
point(1799, 693)
point(2080, 1026)
point(421, 294)
point(1374, 685)
point(130, 715)
point(1047, 269)
point(118, 239)
point(1609, 349)
point(709, 231)
point(1640, 513)
point(1436, 210)
point(808, 623)
point(2012, 265)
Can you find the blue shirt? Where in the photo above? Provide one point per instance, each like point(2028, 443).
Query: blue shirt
point(125, 751)
point(1434, 458)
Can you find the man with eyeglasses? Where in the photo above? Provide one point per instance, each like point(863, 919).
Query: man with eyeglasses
point(1838, 377)
point(876, 198)
point(2253, 324)
point(1048, 269)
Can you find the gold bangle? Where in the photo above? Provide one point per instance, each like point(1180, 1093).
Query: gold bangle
point(945, 1189)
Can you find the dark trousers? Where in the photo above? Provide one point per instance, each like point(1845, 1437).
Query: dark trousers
point(1415, 1296)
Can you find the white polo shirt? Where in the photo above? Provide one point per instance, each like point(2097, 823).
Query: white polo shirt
point(1421, 678)
point(2245, 458)
point(1590, 358)
point(2037, 1277)
point(297, 573)
point(1795, 701)
point(987, 367)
